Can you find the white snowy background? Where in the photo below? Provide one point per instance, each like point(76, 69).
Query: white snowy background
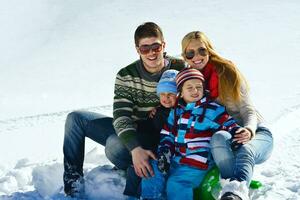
point(57, 56)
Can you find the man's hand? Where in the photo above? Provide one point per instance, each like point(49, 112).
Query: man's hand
point(242, 136)
point(140, 159)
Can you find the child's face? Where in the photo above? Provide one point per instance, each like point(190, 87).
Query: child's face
point(192, 90)
point(167, 99)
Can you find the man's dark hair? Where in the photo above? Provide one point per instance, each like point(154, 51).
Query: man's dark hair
point(147, 29)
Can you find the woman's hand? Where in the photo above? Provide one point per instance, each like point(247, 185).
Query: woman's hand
point(242, 135)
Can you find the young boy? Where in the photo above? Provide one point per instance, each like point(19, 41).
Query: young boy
point(148, 130)
point(184, 151)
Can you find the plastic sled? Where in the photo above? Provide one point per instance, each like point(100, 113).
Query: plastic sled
point(210, 186)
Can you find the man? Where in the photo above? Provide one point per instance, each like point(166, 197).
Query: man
point(134, 96)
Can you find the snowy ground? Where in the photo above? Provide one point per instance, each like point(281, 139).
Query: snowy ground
point(58, 56)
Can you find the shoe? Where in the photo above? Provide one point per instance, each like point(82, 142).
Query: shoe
point(73, 183)
point(75, 188)
point(230, 196)
point(234, 190)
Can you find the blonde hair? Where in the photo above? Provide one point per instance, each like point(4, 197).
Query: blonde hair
point(230, 78)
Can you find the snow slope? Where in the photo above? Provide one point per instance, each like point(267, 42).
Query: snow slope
point(58, 56)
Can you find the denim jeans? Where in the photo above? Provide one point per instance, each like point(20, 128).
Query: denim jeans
point(178, 184)
point(99, 128)
point(133, 183)
point(239, 164)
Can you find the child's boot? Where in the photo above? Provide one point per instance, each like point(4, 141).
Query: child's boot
point(234, 190)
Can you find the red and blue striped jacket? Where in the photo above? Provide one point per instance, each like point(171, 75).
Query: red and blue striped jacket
point(189, 138)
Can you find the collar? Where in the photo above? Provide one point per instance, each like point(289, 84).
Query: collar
point(190, 106)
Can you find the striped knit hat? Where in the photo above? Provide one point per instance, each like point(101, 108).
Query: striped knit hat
point(187, 74)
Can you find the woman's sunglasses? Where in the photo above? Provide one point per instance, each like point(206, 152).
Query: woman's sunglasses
point(145, 49)
point(191, 53)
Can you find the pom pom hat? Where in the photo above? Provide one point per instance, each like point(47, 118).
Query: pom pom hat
point(187, 74)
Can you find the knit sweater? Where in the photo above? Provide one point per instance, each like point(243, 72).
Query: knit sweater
point(134, 96)
point(244, 111)
point(190, 128)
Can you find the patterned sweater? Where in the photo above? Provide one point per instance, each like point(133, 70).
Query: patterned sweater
point(189, 138)
point(134, 96)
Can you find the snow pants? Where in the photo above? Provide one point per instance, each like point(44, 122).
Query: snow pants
point(178, 184)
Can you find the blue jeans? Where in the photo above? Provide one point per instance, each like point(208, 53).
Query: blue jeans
point(239, 164)
point(177, 184)
point(133, 183)
point(99, 128)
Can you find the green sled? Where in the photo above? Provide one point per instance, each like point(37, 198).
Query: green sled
point(210, 181)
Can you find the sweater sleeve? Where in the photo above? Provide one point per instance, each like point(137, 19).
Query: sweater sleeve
point(122, 113)
point(167, 138)
point(247, 111)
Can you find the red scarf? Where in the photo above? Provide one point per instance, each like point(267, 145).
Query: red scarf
point(212, 80)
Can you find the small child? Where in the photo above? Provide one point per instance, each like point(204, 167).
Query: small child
point(148, 130)
point(184, 151)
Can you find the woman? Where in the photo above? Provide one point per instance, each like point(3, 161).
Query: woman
point(227, 85)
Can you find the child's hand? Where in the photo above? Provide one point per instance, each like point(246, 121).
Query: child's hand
point(164, 161)
point(152, 113)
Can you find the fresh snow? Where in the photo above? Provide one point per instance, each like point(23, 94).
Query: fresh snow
point(58, 56)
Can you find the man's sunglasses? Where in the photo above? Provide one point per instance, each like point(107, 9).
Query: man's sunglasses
point(191, 53)
point(145, 49)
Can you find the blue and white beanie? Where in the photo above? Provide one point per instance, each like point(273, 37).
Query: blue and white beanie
point(167, 82)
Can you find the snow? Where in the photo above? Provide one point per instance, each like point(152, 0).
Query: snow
point(58, 56)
